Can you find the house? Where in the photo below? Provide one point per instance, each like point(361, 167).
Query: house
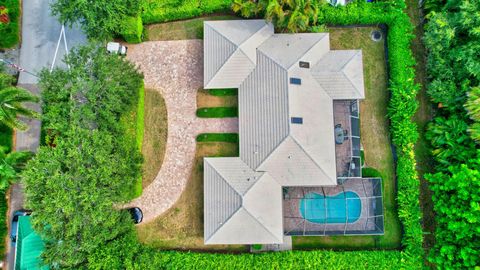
point(293, 95)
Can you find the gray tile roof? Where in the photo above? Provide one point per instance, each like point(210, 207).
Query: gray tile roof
point(340, 74)
point(229, 50)
point(263, 100)
point(274, 152)
point(242, 207)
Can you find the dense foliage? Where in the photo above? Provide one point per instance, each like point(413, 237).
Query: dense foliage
point(9, 27)
point(154, 11)
point(90, 164)
point(102, 19)
point(453, 42)
point(217, 112)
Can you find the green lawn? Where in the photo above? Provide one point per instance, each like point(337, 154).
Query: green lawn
point(216, 98)
point(180, 30)
point(375, 140)
point(217, 112)
point(218, 137)
point(155, 138)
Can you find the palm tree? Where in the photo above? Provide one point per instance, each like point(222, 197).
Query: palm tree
point(10, 165)
point(11, 103)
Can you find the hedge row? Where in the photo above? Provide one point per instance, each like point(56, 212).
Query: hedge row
point(3, 220)
point(155, 11)
point(9, 34)
point(223, 92)
point(218, 137)
point(132, 29)
point(217, 112)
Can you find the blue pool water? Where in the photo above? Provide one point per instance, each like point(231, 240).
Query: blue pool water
point(312, 207)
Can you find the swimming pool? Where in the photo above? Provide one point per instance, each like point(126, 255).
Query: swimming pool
point(312, 207)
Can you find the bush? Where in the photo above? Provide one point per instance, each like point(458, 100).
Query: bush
point(3, 220)
point(223, 92)
point(132, 29)
point(217, 112)
point(155, 11)
point(218, 137)
point(370, 172)
point(9, 33)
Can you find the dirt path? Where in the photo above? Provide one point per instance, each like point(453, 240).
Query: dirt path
point(422, 117)
point(175, 69)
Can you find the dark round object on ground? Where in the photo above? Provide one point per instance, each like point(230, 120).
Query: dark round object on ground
point(376, 35)
point(136, 213)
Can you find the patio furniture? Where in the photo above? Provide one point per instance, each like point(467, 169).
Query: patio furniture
point(345, 134)
point(339, 137)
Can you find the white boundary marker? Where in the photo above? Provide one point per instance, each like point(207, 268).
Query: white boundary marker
point(62, 34)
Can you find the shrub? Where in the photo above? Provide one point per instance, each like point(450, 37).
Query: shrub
point(3, 219)
point(218, 137)
point(155, 11)
point(217, 112)
point(370, 172)
point(9, 32)
point(223, 92)
point(132, 29)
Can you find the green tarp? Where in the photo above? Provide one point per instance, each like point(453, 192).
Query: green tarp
point(29, 247)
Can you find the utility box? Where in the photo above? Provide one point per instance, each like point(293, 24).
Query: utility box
point(116, 48)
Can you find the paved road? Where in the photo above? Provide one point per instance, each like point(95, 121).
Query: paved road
point(40, 34)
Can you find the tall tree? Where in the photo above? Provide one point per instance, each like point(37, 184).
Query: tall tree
point(286, 15)
point(11, 103)
point(99, 19)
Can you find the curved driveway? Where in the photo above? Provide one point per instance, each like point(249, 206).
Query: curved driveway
point(175, 69)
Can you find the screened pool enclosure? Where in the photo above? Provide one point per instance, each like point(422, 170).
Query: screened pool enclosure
point(354, 207)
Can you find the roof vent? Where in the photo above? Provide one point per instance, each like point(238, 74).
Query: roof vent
point(303, 64)
point(297, 81)
point(297, 120)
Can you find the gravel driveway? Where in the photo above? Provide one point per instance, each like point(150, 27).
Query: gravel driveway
point(175, 69)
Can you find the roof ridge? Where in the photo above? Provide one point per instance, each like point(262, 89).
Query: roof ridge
point(227, 60)
point(348, 62)
point(249, 38)
point(310, 157)
point(234, 212)
point(310, 48)
point(229, 41)
point(256, 220)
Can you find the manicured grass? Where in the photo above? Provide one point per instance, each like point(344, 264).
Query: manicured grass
point(155, 139)
point(180, 30)
point(133, 122)
point(9, 33)
point(223, 92)
point(205, 98)
point(375, 140)
point(181, 227)
point(140, 117)
point(217, 112)
point(218, 137)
